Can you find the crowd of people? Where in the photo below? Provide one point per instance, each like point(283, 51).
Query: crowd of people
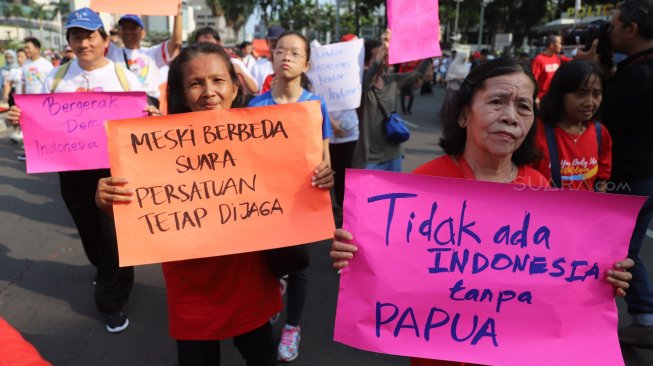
point(557, 122)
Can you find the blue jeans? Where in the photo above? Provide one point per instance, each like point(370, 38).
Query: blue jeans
point(393, 165)
point(639, 296)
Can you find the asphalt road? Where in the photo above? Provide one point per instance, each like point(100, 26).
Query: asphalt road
point(46, 290)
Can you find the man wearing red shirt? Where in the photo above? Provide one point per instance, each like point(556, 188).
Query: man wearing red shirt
point(546, 64)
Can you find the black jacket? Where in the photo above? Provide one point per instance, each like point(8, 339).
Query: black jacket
point(627, 112)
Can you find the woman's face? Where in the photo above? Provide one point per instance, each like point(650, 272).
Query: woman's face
point(9, 58)
point(583, 103)
point(207, 83)
point(21, 57)
point(500, 115)
point(290, 58)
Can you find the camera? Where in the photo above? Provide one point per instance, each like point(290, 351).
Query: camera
point(598, 29)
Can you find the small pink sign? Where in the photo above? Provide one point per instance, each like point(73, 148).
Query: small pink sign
point(65, 131)
point(415, 27)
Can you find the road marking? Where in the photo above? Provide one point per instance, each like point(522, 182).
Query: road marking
point(649, 233)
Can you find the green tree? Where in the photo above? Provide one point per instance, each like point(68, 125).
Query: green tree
point(237, 12)
point(39, 12)
point(16, 11)
point(216, 7)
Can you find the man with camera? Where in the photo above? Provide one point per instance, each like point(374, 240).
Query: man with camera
point(627, 111)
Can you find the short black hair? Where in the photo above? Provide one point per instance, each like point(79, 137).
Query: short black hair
point(176, 99)
point(370, 45)
point(245, 44)
point(550, 39)
point(206, 30)
point(567, 79)
point(454, 137)
point(33, 41)
point(639, 12)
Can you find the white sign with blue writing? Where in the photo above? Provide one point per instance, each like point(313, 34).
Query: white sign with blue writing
point(337, 74)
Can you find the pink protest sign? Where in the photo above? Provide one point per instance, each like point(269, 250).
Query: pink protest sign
point(65, 131)
point(415, 27)
point(488, 273)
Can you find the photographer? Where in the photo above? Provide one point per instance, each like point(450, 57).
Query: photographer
point(628, 113)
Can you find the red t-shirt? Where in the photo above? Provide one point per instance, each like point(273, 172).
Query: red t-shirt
point(15, 350)
point(446, 166)
point(582, 163)
point(267, 83)
point(543, 68)
point(220, 297)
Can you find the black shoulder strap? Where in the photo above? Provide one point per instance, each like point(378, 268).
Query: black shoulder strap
point(553, 155)
point(597, 127)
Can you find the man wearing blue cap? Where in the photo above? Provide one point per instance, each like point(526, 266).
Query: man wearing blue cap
point(145, 62)
point(92, 71)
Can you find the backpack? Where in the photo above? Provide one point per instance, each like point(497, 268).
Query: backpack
point(61, 72)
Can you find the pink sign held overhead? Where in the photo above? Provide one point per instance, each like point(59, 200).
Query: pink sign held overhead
point(65, 131)
point(488, 273)
point(415, 27)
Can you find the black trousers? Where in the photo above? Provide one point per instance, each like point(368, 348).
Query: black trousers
point(341, 159)
point(98, 234)
point(257, 348)
point(407, 91)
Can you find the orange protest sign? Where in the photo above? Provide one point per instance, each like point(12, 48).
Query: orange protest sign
point(141, 7)
point(219, 182)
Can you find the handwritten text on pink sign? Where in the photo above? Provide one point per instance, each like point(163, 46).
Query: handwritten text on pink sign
point(415, 27)
point(65, 131)
point(481, 272)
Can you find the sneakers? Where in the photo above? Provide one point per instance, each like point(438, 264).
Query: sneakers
point(289, 345)
point(636, 335)
point(118, 322)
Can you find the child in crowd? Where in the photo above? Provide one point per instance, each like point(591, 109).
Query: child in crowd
point(291, 62)
point(577, 150)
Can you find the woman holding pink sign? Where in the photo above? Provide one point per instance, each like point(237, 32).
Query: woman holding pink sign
point(489, 135)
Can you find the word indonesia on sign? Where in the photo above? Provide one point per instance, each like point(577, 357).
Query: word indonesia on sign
point(141, 7)
point(415, 27)
point(65, 131)
point(337, 72)
point(219, 182)
point(479, 272)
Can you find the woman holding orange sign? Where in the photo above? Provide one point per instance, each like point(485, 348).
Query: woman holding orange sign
point(211, 299)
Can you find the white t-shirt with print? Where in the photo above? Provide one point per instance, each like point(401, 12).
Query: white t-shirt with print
point(34, 73)
point(144, 63)
point(103, 79)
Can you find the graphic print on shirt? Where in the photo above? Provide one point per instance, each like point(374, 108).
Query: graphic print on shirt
point(34, 75)
point(139, 67)
point(81, 89)
point(551, 67)
point(578, 169)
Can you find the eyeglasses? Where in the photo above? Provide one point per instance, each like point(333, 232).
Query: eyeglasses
point(292, 54)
